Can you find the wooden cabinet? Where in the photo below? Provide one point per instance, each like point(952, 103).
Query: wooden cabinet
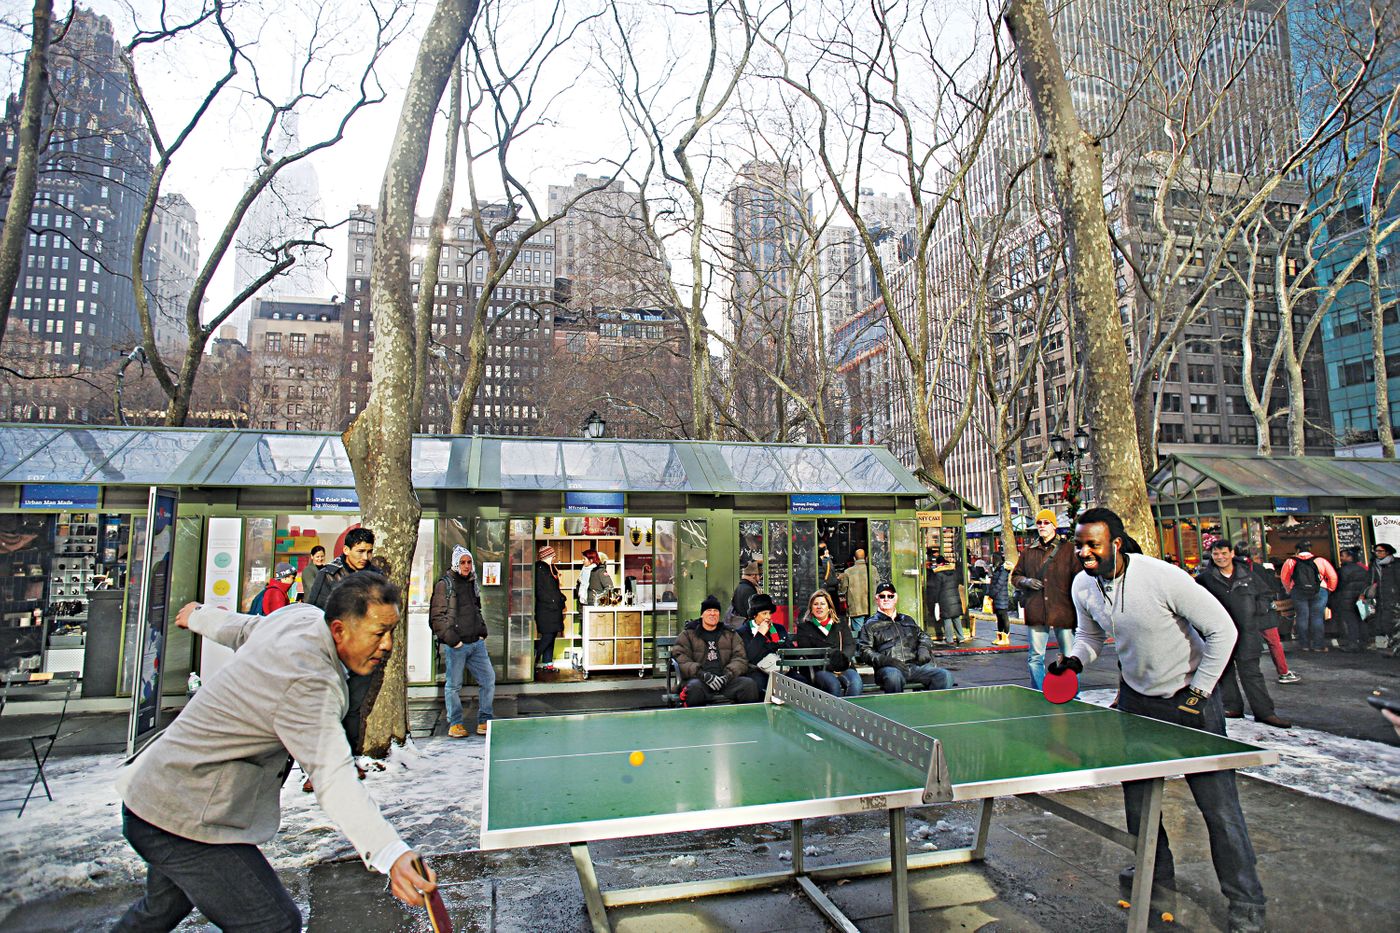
point(612, 638)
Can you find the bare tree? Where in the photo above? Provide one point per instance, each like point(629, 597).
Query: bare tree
point(1075, 166)
point(215, 22)
point(23, 178)
point(379, 442)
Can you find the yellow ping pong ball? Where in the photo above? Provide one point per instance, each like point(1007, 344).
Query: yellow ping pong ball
point(635, 759)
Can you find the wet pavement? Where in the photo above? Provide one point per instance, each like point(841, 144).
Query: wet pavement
point(1323, 865)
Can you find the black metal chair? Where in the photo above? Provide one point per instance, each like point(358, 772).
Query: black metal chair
point(19, 688)
point(662, 648)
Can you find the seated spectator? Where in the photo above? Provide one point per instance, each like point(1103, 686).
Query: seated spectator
point(900, 651)
point(712, 661)
point(762, 639)
point(821, 628)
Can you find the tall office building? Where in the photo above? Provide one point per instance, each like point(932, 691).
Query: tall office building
point(602, 247)
point(285, 210)
point(296, 364)
point(520, 321)
point(172, 263)
point(74, 307)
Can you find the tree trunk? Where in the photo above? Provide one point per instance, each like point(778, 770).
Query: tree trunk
point(427, 293)
point(1385, 432)
point(1075, 164)
point(380, 441)
point(26, 178)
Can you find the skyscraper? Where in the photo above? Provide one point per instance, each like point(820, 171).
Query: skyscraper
point(172, 262)
point(74, 306)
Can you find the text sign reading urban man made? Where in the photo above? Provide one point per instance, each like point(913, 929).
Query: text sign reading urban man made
point(1290, 503)
point(334, 500)
point(57, 496)
point(814, 505)
point(610, 503)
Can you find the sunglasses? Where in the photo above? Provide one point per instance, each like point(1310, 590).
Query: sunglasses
point(884, 596)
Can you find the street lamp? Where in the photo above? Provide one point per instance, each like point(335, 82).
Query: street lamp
point(594, 427)
point(1070, 454)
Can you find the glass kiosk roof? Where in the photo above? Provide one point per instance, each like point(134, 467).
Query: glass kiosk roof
point(212, 457)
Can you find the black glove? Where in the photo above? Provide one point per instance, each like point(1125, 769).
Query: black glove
point(923, 656)
point(1032, 584)
point(1192, 701)
point(837, 661)
point(1065, 663)
point(714, 681)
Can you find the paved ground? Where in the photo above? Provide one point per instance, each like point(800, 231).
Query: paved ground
point(1323, 865)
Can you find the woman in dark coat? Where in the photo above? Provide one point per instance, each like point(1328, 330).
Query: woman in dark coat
point(762, 638)
point(1000, 590)
point(821, 627)
point(1352, 579)
point(949, 598)
point(549, 608)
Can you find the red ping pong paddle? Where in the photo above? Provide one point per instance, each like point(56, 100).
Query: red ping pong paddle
point(437, 910)
point(1061, 687)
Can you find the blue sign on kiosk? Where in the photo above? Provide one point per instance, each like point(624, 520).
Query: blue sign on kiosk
point(1291, 504)
point(57, 496)
point(815, 504)
point(335, 500)
point(606, 503)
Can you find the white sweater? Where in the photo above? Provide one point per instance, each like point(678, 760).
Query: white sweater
point(1170, 631)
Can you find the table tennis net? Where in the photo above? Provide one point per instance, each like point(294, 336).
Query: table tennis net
point(922, 752)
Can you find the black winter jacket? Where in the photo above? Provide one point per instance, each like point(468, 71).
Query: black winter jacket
point(998, 588)
point(838, 639)
point(455, 611)
point(1239, 593)
point(886, 642)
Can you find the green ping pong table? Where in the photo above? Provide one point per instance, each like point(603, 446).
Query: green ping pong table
point(803, 754)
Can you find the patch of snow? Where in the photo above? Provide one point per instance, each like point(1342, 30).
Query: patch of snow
point(785, 856)
point(430, 791)
point(1352, 772)
point(683, 861)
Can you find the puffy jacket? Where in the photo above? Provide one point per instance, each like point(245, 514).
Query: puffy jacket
point(1240, 593)
point(689, 652)
point(455, 610)
point(1352, 580)
point(946, 590)
point(999, 588)
point(329, 577)
point(884, 641)
point(1052, 605)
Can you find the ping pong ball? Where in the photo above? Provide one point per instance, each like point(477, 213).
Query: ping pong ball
point(635, 759)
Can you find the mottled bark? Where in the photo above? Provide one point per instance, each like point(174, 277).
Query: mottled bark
point(427, 289)
point(1385, 431)
point(1075, 166)
point(26, 166)
point(380, 441)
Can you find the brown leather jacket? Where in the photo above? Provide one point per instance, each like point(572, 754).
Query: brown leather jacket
point(1051, 606)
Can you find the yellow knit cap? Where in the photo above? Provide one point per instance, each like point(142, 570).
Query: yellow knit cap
point(1046, 515)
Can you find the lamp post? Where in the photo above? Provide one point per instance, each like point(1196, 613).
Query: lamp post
point(594, 427)
point(1070, 452)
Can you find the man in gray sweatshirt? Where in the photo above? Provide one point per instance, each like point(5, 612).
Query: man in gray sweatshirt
point(1173, 640)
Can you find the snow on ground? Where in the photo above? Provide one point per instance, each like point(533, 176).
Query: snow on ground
point(1346, 771)
point(430, 790)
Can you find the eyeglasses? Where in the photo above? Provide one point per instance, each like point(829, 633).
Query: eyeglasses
point(884, 596)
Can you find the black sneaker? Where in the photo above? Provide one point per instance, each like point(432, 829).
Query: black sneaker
point(1160, 878)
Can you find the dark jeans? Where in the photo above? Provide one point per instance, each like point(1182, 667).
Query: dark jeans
point(1245, 663)
point(544, 648)
point(933, 677)
point(1345, 614)
point(845, 684)
point(232, 885)
point(738, 690)
point(1230, 849)
point(358, 686)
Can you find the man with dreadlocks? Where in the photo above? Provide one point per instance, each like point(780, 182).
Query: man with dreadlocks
point(1173, 640)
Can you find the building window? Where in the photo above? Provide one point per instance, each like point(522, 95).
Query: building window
point(297, 344)
point(1204, 404)
point(1173, 433)
point(1200, 372)
point(272, 343)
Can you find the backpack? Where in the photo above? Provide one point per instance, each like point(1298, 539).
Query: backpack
point(256, 609)
point(1307, 582)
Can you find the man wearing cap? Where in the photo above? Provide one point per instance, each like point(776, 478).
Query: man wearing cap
point(1043, 575)
point(455, 617)
point(746, 590)
point(275, 595)
point(900, 651)
point(712, 661)
point(549, 607)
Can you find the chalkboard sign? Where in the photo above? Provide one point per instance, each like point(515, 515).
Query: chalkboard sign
point(1348, 532)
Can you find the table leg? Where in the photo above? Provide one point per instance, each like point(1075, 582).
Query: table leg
point(1146, 861)
point(984, 826)
point(899, 872)
point(797, 846)
point(588, 881)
